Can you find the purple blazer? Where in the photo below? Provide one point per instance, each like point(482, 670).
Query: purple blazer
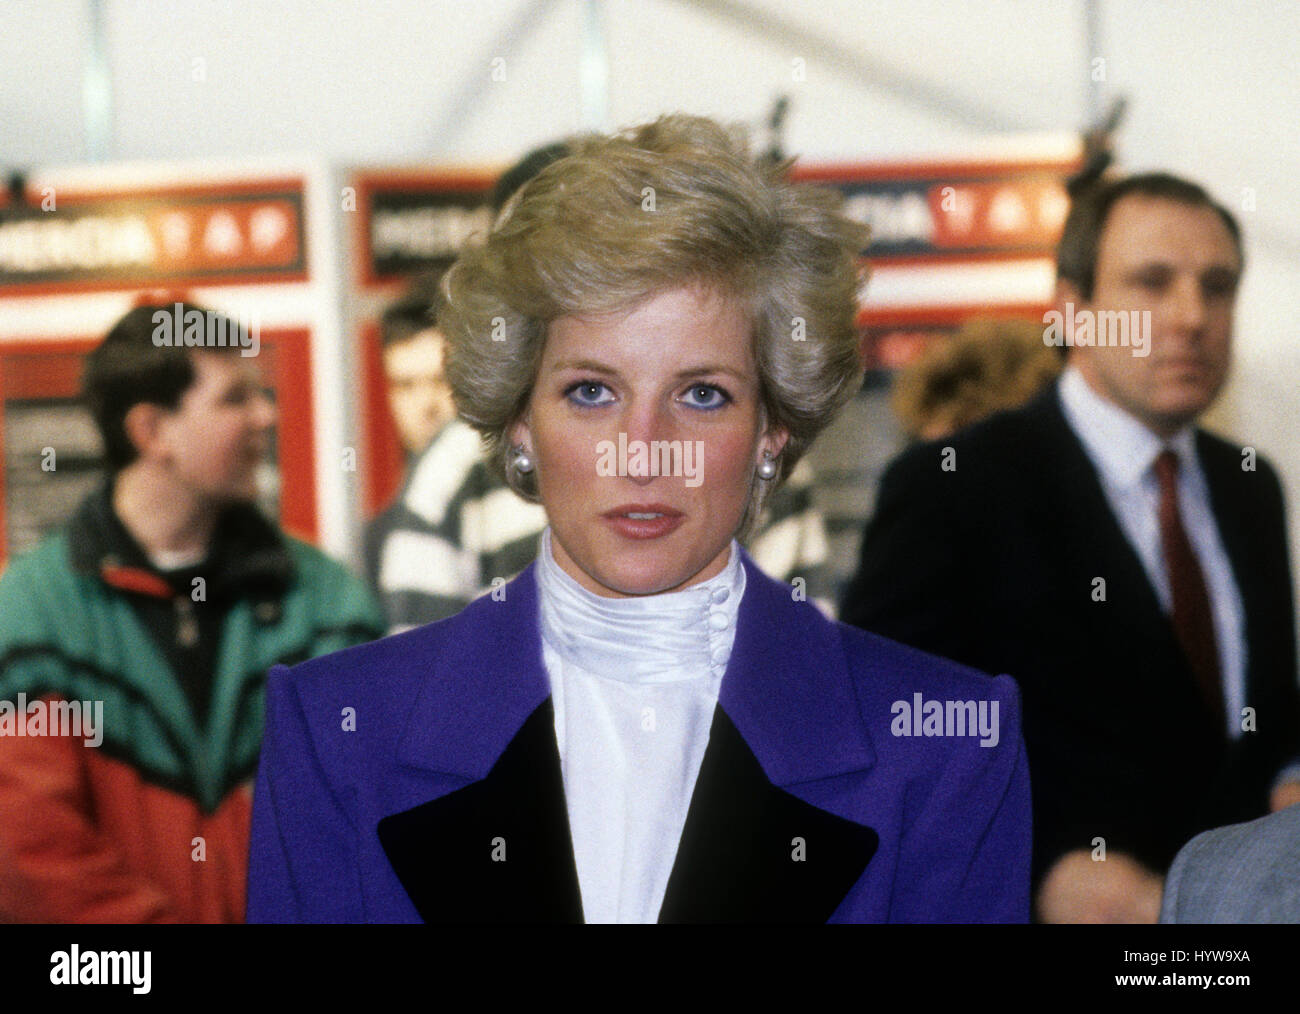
point(417, 778)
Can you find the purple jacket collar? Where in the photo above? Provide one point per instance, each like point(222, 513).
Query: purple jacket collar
point(786, 689)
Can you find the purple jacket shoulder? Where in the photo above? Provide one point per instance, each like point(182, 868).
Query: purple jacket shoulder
point(847, 779)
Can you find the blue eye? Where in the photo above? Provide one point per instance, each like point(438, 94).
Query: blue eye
point(588, 393)
point(706, 396)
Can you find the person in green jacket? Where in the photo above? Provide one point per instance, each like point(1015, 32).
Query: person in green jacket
point(135, 641)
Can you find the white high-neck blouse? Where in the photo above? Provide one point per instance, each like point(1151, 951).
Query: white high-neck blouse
point(634, 683)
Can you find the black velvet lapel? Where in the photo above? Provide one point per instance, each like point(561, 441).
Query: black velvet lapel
point(497, 850)
point(753, 853)
point(750, 852)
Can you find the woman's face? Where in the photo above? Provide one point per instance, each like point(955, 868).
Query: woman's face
point(644, 427)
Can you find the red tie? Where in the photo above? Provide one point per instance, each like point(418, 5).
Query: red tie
point(1192, 617)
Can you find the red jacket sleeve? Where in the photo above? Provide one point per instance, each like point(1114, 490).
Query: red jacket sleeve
point(54, 865)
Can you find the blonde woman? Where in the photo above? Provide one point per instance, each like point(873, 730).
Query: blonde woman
point(642, 726)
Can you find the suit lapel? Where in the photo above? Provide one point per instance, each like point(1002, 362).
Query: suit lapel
point(1131, 613)
point(1097, 543)
point(788, 689)
point(500, 850)
point(787, 716)
point(753, 853)
point(1085, 509)
point(497, 850)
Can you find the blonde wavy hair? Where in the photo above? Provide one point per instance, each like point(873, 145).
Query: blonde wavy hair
point(624, 217)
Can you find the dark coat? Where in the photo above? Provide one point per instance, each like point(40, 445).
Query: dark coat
point(994, 564)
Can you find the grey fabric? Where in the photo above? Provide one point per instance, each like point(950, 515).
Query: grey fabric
point(1240, 873)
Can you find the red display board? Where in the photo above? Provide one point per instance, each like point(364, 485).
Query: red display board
point(235, 233)
point(416, 220)
point(951, 212)
point(931, 221)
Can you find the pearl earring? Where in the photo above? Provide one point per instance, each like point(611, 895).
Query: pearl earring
point(522, 462)
point(767, 467)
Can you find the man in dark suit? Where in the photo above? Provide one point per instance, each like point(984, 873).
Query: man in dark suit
point(1127, 568)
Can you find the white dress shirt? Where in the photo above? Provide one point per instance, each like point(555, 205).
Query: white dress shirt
point(634, 683)
point(1123, 451)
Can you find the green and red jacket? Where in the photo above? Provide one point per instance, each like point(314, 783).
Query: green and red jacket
point(153, 823)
